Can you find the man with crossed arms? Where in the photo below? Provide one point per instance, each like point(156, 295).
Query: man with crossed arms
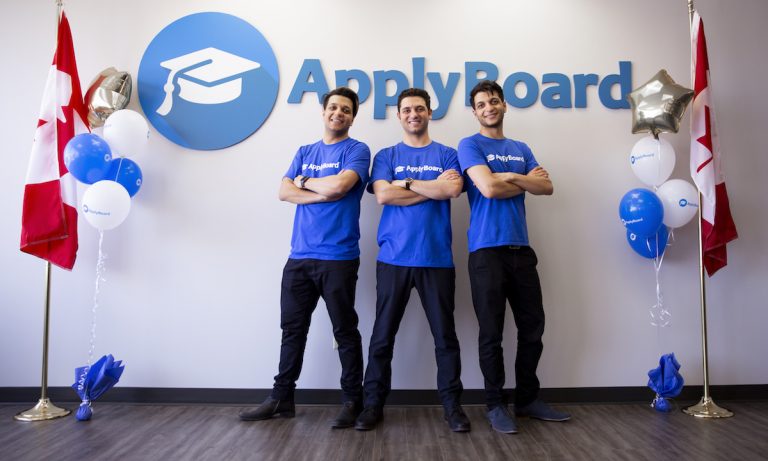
point(502, 265)
point(415, 181)
point(326, 181)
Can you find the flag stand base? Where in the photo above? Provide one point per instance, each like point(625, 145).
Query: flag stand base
point(44, 410)
point(706, 408)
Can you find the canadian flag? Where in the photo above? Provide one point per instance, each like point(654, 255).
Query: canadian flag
point(717, 226)
point(49, 214)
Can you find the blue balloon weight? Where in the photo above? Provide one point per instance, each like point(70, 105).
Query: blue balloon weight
point(646, 246)
point(87, 157)
point(126, 172)
point(641, 212)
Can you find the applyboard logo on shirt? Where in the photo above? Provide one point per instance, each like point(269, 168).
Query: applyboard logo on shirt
point(322, 166)
point(417, 169)
point(208, 81)
point(504, 158)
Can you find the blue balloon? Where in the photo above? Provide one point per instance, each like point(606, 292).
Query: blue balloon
point(646, 246)
point(126, 172)
point(87, 157)
point(641, 212)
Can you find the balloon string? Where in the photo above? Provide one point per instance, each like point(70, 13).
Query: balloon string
point(100, 269)
point(119, 165)
point(658, 164)
point(660, 317)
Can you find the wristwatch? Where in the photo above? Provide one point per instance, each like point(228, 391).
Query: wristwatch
point(303, 182)
point(408, 182)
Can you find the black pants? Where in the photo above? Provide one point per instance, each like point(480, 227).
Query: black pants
point(304, 282)
point(498, 275)
point(436, 287)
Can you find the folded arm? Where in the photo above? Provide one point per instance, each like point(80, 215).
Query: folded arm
point(447, 185)
point(492, 185)
point(328, 188)
point(289, 192)
point(536, 182)
point(507, 184)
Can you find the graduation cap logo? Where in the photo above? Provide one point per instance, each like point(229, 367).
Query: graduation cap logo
point(207, 81)
point(207, 76)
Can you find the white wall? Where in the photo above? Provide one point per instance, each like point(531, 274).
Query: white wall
point(191, 298)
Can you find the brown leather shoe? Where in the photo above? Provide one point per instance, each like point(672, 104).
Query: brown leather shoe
point(269, 408)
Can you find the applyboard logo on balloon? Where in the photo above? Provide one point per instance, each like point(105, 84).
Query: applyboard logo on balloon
point(683, 203)
point(96, 212)
point(635, 158)
point(631, 221)
point(208, 81)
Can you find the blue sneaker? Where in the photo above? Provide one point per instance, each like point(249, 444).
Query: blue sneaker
point(502, 420)
point(540, 410)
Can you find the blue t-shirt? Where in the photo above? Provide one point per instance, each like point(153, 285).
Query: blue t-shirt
point(329, 230)
point(417, 235)
point(495, 222)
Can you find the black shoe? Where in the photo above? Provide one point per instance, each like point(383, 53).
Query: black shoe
point(457, 420)
point(271, 407)
point(540, 410)
point(347, 416)
point(369, 418)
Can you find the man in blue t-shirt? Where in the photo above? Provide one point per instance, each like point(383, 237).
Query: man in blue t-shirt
point(326, 181)
point(415, 181)
point(502, 265)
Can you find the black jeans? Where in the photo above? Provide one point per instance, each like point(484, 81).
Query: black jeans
point(498, 275)
point(436, 287)
point(304, 282)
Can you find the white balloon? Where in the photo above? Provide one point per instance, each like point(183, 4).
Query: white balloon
point(652, 160)
point(106, 204)
point(681, 202)
point(127, 133)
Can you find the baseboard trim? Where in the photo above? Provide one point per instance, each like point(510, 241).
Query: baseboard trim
point(191, 396)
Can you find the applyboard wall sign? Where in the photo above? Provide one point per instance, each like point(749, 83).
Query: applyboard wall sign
point(208, 81)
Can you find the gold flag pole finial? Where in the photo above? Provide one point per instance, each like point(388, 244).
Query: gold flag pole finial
point(706, 408)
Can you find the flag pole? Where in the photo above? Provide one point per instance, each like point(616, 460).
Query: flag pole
point(706, 408)
point(45, 410)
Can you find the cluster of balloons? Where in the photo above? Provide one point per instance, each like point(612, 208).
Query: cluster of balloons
point(657, 107)
point(103, 163)
point(648, 215)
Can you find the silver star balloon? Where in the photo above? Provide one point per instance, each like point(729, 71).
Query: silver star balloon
point(108, 92)
point(658, 105)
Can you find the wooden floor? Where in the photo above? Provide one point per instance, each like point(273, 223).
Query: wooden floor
point(600, 432)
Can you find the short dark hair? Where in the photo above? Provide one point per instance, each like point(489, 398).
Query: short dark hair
point(345, 92)
point(413, 92)
point(485, 86)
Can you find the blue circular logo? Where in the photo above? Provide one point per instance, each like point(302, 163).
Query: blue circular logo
point(208, 81)
point(683, 202)
point(632, 160)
